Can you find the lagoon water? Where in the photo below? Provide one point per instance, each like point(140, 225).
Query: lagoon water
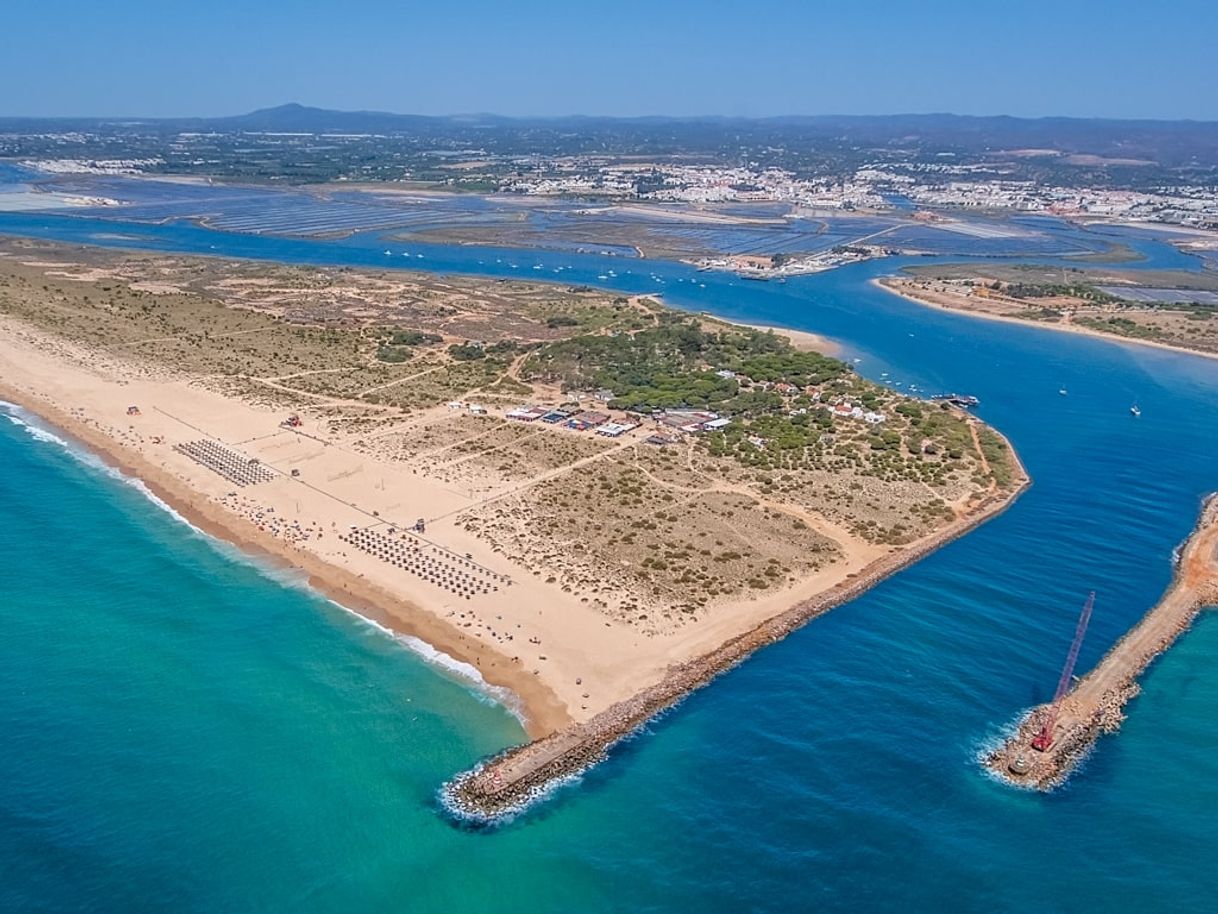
point(186, 731)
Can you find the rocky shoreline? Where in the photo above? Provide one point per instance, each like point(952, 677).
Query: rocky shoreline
point(505, 784)
point(1096, 704)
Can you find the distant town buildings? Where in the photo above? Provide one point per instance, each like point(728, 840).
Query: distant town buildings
point(937, 185)
point(939, 182)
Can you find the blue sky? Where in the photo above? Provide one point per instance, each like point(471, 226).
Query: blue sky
point(522, 57)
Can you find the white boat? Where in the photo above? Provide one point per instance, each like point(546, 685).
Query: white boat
point(1135, 411)
point(1062, 391)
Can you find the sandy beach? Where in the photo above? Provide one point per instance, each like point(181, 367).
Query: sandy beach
point(801, 339)
point(565, 663)
point(543, 711)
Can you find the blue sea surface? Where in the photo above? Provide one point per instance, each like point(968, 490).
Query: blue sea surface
point(185, 730)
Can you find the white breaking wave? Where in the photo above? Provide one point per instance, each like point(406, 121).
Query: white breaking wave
point(998, 736)
point(465, 673)
point(468, 674)
point(31, 426)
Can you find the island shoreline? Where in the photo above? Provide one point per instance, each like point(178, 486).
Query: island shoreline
point(71, 390)
point(545, 716)
point(879, 282)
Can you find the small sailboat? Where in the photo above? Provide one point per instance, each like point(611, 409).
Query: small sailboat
point(1062, 391)
point(1134, 411)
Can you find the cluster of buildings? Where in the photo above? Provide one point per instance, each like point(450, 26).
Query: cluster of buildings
point(839, 407)
point(690, 421)
point(474, 409)
point(873, 187)
point(580, 420)
point(945, 185)
point(846, 410)
point(700, 184)
point(753, 267)
point(94, 166)
point(955, 186)
point(670, 425)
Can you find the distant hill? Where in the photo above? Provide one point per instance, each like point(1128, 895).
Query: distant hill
point(301, 118)
point(1170, 143)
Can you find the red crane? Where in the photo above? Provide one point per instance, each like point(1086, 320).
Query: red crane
point(1044, 739)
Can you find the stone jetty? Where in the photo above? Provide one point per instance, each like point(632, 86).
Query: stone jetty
point(1096, 703)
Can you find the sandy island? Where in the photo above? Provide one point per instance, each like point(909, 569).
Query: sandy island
point(566, 566)
point(960, 304)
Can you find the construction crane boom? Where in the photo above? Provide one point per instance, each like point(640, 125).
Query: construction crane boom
point(1044, 739)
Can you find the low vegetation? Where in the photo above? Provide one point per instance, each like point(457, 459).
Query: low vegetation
point(1093, 298)
point(809, 459)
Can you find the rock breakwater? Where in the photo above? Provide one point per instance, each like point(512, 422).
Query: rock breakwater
point(1096, 704)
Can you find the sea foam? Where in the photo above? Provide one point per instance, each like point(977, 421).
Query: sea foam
point(30, 425)
point(464, 673)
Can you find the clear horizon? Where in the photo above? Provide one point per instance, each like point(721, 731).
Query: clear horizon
point(133, 58)
point(578, 114)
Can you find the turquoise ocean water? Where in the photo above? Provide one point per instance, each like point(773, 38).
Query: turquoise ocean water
point(186, 731)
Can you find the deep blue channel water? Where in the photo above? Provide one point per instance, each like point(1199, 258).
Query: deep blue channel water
point(186, 731)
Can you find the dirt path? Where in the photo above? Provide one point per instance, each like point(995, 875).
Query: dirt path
point(982, 459)
point(410, 377)
point(174, 339)
point(817, 522)
point(316, 371)
point(536, 480)
point(324, 398)
point(508, 445)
